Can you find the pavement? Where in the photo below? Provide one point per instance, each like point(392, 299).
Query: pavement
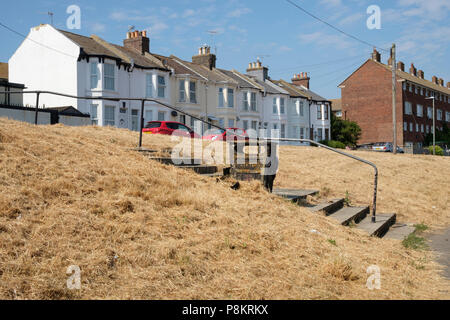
point(440, 243)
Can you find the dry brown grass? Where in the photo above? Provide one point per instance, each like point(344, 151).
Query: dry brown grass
point(142, 230)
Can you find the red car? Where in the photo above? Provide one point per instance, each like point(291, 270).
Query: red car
point(228, 134)
point(169, 128)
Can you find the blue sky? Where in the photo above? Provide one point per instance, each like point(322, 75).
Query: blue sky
point(287, 40)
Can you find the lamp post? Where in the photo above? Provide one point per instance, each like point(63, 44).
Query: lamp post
point(434, 128)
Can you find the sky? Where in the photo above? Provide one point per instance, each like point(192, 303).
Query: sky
point(286, 40)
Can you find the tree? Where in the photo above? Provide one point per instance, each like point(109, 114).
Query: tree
point(442, 136)
point(345, 131)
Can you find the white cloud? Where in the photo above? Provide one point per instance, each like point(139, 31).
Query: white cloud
point(239, 12)
point(352, 18)
point(285, 49)
point(188, 13)
point(331, 3)
point(98, 27)
point(328, 40)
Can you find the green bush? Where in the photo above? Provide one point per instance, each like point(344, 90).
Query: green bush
point(333, 144)
point(439, 151)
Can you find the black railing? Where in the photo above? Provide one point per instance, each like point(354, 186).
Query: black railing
point(143, 100)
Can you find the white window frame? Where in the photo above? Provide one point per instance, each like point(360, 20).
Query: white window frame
point(94, 75)
point(109, 80)
point(408, 107)
point(282, 106)
point(253, 103)
point(246, 104)
point(109, 121)
point(192, 91)
point(94, 117)
point(221, 98)
point(230, 98)
point(405, 126)
point(275, 106)
point(161, 116)
point(419, 107)
point(182, 91)
point(161, 86)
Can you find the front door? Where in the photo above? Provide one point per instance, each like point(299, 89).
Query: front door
point(123, 118)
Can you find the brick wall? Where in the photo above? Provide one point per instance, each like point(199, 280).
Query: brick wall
point(367, 100)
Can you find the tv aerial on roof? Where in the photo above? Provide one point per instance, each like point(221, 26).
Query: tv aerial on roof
point(213, 34)
point(50, 14)
point(131, 28)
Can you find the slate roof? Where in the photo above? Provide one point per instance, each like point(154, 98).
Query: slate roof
point(407, 76)
point(91, 47)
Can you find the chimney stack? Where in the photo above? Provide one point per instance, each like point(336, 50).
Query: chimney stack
point(301, 79)
point(376, 56)
point(401, 66)
point(420, 74)
point(413, 70)
point(257, 70)
point(137, 41)
point(205, 57)
point(448, 85)
point(441, 82)
point(434, 80)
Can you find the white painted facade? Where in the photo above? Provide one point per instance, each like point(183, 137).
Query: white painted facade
point(48, 60)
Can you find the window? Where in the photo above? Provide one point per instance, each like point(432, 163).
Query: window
point(428, 128)
point(109, 77)
point(110, 116)
point(149, 86)
point(421, 91)
point(221, 103)
point(408, 108)
point(430, 113)
point(245, 124)
point(410, 88)
point(422, 128)
point(405, 126)
point(302, 133)
point(94, 114)
point(182, 91)
point(282, 105)
point(319, 112)
point(302, 109)
point(246, 104)
point(161, 87)
point(283, 130)
point(416, 90)
point(161, 116)
point(94, 75)
point(230, 123)
point(192, 92)
point(410, 127)
point(439, 114)
point(253, 101)
point(135, 120)
point(319, 135)
point(325, 111)
point(230, 98)
point(274, 106)
point(447, 116)
point(221, 122)
point(419, 110)
point(417, 127)
point(148, 115)
point(404, 86)
point(254, 125)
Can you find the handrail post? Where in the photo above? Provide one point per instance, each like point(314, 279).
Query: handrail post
point(37, 108)
point(141, 123)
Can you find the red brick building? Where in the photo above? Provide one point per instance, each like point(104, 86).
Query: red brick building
point(367, 99)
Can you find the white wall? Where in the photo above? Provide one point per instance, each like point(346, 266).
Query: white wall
point(25, 115)
point(39, 67)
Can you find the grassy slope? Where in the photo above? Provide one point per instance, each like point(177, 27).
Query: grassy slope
point(80, 196)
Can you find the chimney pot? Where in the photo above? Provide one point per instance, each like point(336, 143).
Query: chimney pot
point(376, 56)
point(448, 85)
point(401, 66)
point(137, 41)
point(413, 70)
point(441, 82)
point(435, 80)
point(144, 33)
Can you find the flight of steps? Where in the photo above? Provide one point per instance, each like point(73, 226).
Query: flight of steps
point(359, 217)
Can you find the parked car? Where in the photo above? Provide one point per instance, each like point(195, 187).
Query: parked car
point(169, 128)
point(228, 134)
point(386, 147)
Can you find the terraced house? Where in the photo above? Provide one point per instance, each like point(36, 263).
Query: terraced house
point(367, 99)
point(65, 62)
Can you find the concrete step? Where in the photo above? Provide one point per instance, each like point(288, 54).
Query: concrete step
point(399, 231)
point(294, 194)
point(169, 161)
point(329, 207)
point(346, 215)
point(202, 169)
point(380, 227)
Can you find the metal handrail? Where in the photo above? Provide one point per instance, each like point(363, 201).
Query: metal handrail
point(143, 100)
